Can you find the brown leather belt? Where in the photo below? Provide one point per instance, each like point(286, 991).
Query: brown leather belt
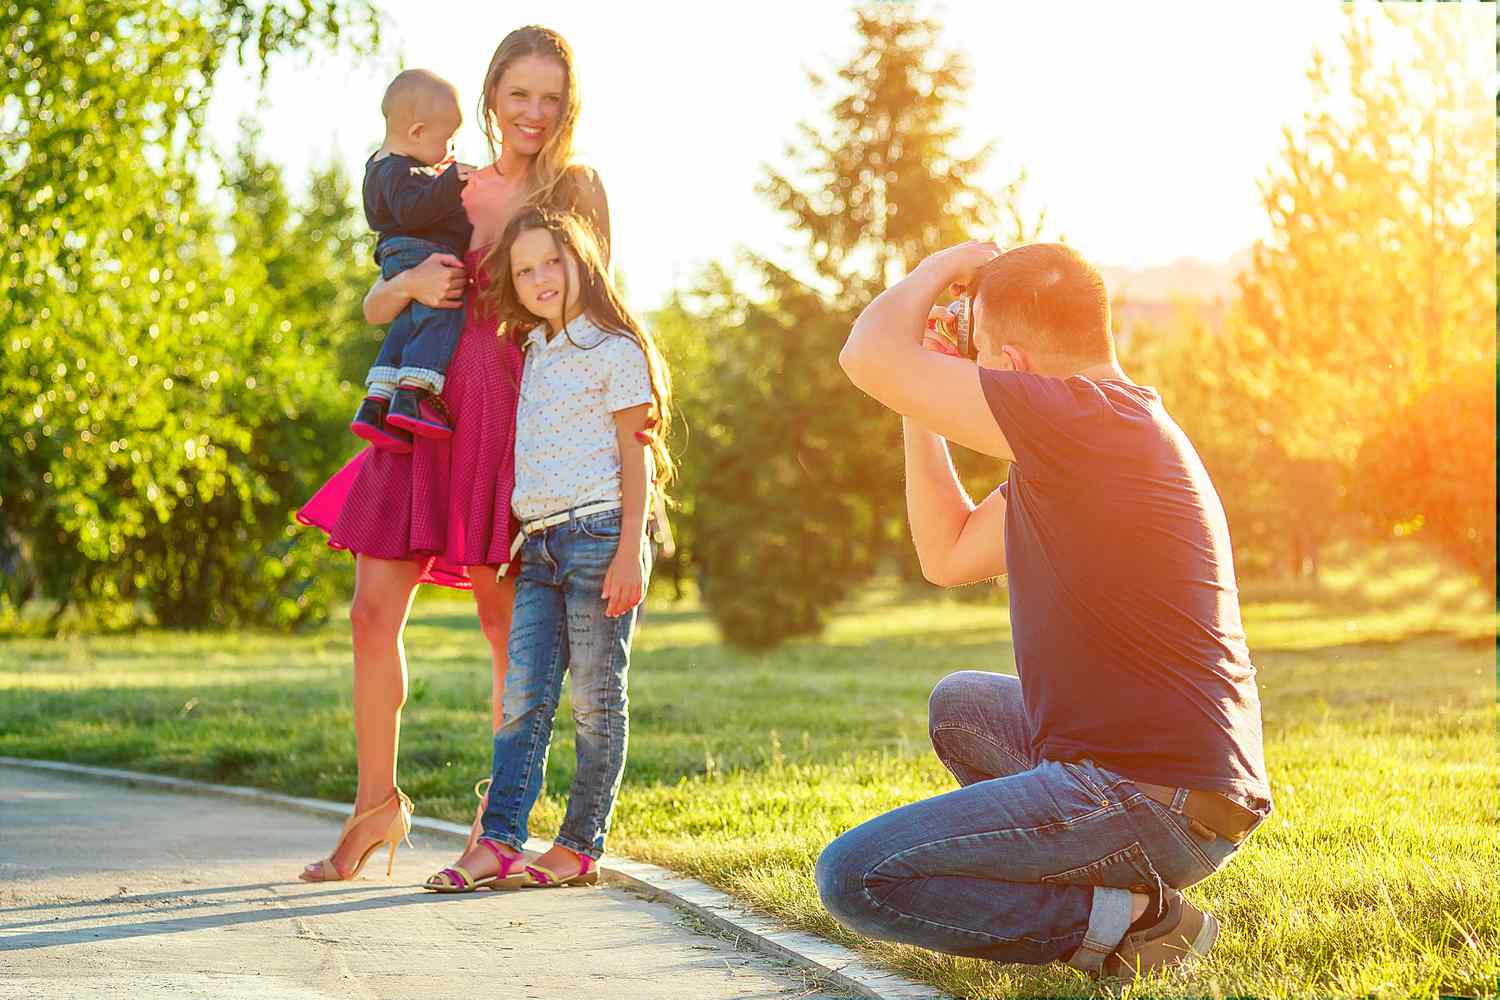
point(1209, 814)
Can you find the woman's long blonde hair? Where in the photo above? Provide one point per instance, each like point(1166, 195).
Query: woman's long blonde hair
point(600, 303)
point(550, 164)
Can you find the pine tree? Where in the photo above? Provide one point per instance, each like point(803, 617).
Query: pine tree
point(885, 185)
point(801, 490)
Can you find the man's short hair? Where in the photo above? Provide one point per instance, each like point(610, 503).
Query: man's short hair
point(1046, 298)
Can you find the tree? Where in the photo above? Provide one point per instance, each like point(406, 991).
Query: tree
point(131, 353)
point(1375, 285)
point(1430, 471)
point(800, 476)
point(885, 186)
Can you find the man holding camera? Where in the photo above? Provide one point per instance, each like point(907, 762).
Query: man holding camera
point(1125, 762)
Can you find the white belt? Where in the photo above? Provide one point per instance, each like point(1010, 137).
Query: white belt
point(529, 528)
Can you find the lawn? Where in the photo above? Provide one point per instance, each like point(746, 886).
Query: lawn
point(1376, 874)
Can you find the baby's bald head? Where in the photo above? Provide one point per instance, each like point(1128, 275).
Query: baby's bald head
point(418, 95)
point(419, 106)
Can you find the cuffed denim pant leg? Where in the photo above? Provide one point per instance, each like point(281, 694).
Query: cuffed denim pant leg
point(1031, 861)
point(559, 626)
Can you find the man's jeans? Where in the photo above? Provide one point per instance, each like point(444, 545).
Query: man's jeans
point(420, 341)
point(1031, 861)
point(559, 626)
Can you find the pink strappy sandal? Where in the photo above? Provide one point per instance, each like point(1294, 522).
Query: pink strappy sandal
point(456, 878)
point(540, 877)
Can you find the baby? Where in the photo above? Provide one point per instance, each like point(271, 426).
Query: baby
point(416, 208)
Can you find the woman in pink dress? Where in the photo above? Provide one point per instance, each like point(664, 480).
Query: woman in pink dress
point(441, 514)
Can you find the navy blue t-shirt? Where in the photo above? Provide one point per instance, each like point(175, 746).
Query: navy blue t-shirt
point(404, 198)
point(1124, 609)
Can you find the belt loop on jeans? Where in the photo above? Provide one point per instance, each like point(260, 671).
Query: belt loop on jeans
point(536, 524)
point(568, 516)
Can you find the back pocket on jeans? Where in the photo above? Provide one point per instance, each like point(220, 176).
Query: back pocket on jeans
point(1124, 869)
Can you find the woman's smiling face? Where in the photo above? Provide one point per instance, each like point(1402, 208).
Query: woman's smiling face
point(528, 101)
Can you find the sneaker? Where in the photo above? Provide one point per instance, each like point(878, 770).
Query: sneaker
point(370, 423)
point(411, 411)
point(1184, 932)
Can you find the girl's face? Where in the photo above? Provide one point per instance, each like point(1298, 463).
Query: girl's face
point(528, 101)
point(545, 276)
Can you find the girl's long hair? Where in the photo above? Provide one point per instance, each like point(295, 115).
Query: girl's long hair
point(600, 303)
point(551, 163)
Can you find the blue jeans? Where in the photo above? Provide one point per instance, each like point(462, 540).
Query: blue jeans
point(559, 626)
point(1030, 861)
point(420, 341)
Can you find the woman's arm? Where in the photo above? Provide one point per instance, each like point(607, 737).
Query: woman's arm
point(437, 282)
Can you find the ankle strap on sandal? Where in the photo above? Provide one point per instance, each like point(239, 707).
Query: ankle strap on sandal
point(494, 848)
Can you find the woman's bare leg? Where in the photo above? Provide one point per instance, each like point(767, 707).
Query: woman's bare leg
point(494, 600)
point(383, 592)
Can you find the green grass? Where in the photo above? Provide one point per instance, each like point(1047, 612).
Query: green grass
point(1375, 876)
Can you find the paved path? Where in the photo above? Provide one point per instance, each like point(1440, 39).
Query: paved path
point(107, 891)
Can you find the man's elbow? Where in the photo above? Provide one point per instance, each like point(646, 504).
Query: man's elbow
point(936, 573)
point(853, 361)
point(948, 575)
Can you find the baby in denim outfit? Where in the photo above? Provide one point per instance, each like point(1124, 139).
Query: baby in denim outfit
point(416, 207)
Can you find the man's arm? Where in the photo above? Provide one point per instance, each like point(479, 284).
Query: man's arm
point(956, 542)
point(884, 356)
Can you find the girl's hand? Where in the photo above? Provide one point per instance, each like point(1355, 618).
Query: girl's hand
point(437, 282)
point(624, 582)
point(957, 264)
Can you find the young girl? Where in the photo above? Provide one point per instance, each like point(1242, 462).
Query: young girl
point(590, 450)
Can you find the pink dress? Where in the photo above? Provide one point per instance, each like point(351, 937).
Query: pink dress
point(447, 503)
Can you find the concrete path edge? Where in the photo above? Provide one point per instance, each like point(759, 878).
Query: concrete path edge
point(837, 965)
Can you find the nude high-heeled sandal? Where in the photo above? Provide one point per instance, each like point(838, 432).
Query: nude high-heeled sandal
point(328, 871)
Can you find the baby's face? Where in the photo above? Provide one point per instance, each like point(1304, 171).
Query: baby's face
point(432, 138)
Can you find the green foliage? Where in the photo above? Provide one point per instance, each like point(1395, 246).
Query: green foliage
point(166, 404)
point(1361, 311)
point(679, 337)
point(779, 530)
point(1431, 471)
point(799, 476)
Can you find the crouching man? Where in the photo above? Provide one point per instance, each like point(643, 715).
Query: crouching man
point(1124, 763)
